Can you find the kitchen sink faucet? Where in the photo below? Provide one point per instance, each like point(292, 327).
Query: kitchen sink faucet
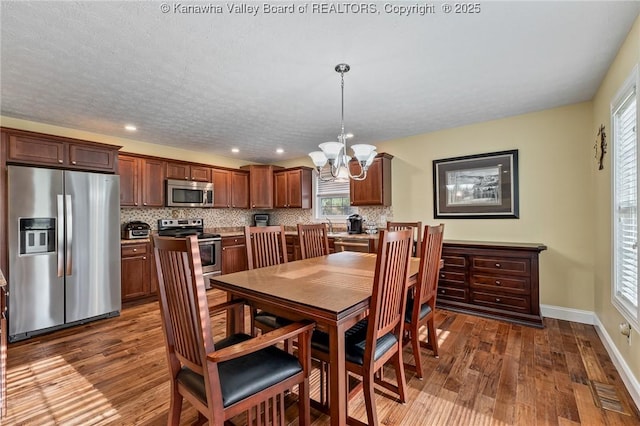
point(330, 225)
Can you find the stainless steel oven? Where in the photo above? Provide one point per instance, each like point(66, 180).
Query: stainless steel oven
point(211, 257)
point(189, 194)
point(210, 244)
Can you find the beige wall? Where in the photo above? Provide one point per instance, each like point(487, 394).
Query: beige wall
point(627, 58)
point(128, 145)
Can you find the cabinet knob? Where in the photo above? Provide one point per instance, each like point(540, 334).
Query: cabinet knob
point(498, 282)
point(442, 291)
point(135, 204)
point(60, 161)
point(253, 205)
point(144, 257)
point(224, 248)
point(186, 178)
point(135, 249)
point(498, 300)
point(73, 162)
point(497, 265)
point(144, 204)
point(442, 275)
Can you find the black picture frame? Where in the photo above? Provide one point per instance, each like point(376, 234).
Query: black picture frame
point(482, 186)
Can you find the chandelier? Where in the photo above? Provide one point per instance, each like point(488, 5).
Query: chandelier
point(335, 153)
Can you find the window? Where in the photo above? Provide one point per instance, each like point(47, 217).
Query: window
point(624, 125)
point(332, 199)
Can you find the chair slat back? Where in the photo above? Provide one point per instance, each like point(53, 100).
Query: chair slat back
point(183, 301)
point(313, 240)
point(266, 246)
point(416, 229)
point(388, 298)
point(427, 283)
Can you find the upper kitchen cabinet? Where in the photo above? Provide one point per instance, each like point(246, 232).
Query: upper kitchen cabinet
point(375, 190)
point(292, 188)
point(230, 188)
point(185, 171)
point(54, 151)
point(260, 185)
point(141, 181)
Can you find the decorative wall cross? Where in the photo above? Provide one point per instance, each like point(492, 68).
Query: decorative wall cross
point(601, 146)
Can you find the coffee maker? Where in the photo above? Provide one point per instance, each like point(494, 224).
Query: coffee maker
point(354, 224)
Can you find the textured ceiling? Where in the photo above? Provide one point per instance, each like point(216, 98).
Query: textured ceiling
point(212, 81)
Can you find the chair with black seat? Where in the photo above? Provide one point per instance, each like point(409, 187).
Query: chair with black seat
point(313, 240)
point(377, 339)
point(266, 246)
point(421, 305)
point(236, 374)
point(417, 229)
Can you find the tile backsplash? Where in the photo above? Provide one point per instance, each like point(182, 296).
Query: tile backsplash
point(221, 218)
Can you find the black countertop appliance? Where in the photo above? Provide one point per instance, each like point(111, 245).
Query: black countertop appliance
point(136, 229)
point(355, 224)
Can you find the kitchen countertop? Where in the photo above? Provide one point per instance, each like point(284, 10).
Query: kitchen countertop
point(238, 231)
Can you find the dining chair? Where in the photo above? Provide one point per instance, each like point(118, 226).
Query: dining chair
point(417, 229)
point(313, 240)
point(421, 305)
point(234, 375)
point(377, 339)
point(266, 246)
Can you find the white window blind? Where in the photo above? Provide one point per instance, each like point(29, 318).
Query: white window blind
point(625, 208)
point(332, 198)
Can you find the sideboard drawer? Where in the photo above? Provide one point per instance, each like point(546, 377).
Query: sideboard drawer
point(452, 261)
point(512, 302)
point(455, 294)
point(451, 278)
point(497, 283)
point(501, 265)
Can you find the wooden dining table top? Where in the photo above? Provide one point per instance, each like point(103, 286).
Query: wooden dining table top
point(333, 283)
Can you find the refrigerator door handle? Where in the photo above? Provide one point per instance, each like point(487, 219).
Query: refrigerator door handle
point(69, 228)
point(60, 235)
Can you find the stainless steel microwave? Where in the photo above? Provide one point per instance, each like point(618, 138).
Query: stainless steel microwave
point(182, 193)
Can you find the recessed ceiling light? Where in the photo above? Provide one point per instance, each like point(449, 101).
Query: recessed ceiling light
point(279, 150)
point(235, 150)
point(130, 128)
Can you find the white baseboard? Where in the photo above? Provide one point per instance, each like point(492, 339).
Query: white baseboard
point(632, 384)
point(587, 317)
point(568, 314)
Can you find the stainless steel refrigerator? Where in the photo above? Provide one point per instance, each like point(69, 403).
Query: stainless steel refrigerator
point(64, 249)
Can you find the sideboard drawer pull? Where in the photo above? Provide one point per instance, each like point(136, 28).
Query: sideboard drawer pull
point(498, 300)
point(498, 282)
point(497, 265)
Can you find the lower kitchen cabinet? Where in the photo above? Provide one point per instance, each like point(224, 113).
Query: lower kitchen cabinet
point(137, 268)
point(497, 280)
point(234, 255)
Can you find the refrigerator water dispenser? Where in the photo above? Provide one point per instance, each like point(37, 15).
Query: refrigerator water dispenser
point(37, 235)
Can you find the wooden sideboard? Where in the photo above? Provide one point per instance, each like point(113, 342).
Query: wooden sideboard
point(496, 280)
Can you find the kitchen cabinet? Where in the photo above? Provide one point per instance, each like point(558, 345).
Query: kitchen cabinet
point(292, 188)
point(186, 171)
point(293, 248)
point(141, 181)
point(497, 280)
point(136, 267)
point(375, 190)
point(53, 151)
point(260, 185)
point(230, 188)
point(234, 254)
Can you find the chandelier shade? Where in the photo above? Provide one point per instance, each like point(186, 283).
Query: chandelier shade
point(335, 152)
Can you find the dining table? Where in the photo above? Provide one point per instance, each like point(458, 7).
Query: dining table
point(334, 291)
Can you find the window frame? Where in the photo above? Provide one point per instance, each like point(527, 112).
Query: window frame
point(317, 213)
point(628, 90)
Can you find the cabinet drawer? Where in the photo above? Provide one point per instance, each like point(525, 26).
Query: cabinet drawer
point(451, 278)
point(134, 250)
point(499, 283)
point(448, 293)
point(501, 265)
point(233, 241)
point(500, 301)
point(454, 261)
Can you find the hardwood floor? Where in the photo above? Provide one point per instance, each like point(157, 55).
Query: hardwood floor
point(113, 372)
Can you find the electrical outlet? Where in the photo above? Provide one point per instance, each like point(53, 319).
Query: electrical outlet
point(625, 330)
